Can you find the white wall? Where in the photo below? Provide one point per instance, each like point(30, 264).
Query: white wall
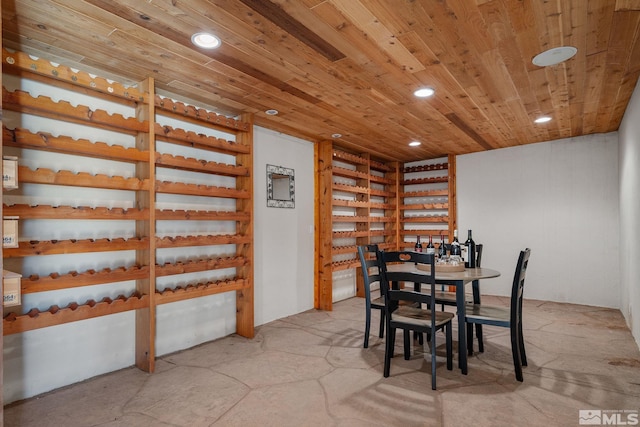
point(560, 199)
point(284, 238)
point(629, 135)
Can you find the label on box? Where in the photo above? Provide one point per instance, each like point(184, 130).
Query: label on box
point(11, 288)
point(9, 172)
point(10, 232)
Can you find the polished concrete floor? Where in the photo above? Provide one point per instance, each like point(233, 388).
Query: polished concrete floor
point(311, 370)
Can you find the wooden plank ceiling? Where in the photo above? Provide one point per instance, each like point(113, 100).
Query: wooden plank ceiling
point(351, 66)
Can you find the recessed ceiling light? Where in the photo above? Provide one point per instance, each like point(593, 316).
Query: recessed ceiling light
point(424, 92)
point(205, 40)
point(554, 56)
point(414, 143)
point(336, 135)
point(271, 112)
point(543, 119)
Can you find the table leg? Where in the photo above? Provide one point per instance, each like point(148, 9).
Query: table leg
point(476, 300)
point(462, 329)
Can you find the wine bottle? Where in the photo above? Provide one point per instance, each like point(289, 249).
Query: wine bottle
point(430, 248)
point(442, 250)
point(418, 247)
point(455, 245)
point(471, 252)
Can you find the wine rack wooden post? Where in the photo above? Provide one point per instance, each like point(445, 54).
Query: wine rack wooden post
point(1, 262)
point(392, 210)
point(145, 228)
point(363, 213)
point(323, 296)
point(244, 297)
point(453, 205)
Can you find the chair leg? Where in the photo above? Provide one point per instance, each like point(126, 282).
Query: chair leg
point(381, 324)
point(407, 344)
point(388, 351)
point(523, 354)
point(367, 326)
point(515, 351)
point(433, 359)
point(470, 339)
point(480, 337)
point(449, 338)
point(476, 300)
point(392, 338)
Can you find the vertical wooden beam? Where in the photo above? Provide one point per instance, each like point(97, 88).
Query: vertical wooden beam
point(394, 213)
point(245, 322)
point(1, 260)
point(365, 212)
point(401, 213)
point(146, 317)
point(323, 295)
point(453, 206)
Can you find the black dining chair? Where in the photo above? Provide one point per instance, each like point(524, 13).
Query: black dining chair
point(510, 317)
point(371, 275)
point(403, 308)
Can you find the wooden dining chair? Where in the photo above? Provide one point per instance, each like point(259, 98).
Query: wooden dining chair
point(403, 308)
point(370, 272)
point(510, 317)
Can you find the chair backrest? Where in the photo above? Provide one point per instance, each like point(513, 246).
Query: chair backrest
point(392, 274)
point(478, 254)
point(517, 289)
point(370, 270)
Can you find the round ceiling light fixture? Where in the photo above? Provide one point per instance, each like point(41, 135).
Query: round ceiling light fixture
point(424, 92)
point(336, 135)
point(271, 112)
point(205, 40)
point(542, 119)
point(554, 56)
point(414, 143)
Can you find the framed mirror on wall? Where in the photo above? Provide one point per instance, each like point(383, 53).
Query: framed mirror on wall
point(281, 187)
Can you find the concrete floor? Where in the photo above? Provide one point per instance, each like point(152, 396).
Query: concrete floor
point(311, 370)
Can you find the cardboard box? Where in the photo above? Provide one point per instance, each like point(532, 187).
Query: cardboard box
point(11, 288)
point(9, 172)
point(10, 232)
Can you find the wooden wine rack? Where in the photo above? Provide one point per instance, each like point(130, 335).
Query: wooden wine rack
point(368, 192)
point(392, 191)
point(437, 194)
point(147, 128)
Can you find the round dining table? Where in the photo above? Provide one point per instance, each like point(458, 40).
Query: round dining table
point(458, 279)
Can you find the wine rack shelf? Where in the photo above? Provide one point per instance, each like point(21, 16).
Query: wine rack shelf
point(81, 179)
point(73, 212)
point(181, 293)
point(73, 279)
point(36, 319)
point(63, 144)
point(56, 247)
